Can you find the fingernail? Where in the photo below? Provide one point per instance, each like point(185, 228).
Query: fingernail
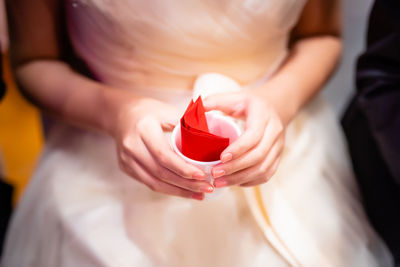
point(226, 157)
point(199, 176)
point(218, 173)
point(198, 196)
point(220, 183)
point(207, 189)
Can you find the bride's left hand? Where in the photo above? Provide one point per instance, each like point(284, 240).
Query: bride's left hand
point(254, 157)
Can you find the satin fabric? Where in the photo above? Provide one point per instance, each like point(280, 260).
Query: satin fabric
point(83, 211)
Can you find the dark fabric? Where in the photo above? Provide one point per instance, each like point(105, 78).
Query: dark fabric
point(5, 189)
point(378, 82)
point(5, 210)
point(2, 84)
point(372, 122)
point(380, 192)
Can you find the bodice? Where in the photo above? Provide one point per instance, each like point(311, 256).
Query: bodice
point(167, 44)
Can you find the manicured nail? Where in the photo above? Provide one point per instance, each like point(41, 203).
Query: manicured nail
point(199, 176)
point(226, 157)
point(198, 196)
point(207, 189)
point(220, 183)
point(218, 173)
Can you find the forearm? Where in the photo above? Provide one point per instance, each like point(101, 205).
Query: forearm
point(309, 65)
point(59, 90)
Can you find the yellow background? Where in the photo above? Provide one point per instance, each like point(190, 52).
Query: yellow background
point(21, 136)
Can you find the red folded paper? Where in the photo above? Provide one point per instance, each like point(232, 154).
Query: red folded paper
point(197, 141)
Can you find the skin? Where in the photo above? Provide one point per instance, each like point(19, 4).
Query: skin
point(137, 123)
point(3, 29)
point(315, 46)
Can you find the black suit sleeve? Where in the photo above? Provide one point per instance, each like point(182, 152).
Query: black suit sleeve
point(2, 84)
point(378, 82)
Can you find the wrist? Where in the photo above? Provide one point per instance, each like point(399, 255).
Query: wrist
point(115, 103)
point(284, 104)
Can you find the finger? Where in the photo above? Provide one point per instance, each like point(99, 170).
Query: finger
point(250, 138)
point(241, 105)
point(257, 117)
point(227, 103)
point(145, 159)
point(192, 185)
point(167, 114)
point(155, 142)
point(252, 157)
point(169, 118)
point(256, 172)
point(169, 177)
point(139, 173)
point(240, 177)
point(265, 179)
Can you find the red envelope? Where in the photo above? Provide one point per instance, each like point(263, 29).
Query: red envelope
point(197, 141)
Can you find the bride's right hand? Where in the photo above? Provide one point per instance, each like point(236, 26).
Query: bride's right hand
point(145, 154)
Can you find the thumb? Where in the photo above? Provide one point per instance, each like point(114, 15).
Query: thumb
point(228, 103)
point(169, 118)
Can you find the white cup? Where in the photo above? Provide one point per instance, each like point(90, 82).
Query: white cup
point(218, 124)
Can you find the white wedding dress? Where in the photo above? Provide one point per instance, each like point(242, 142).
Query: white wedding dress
point(81, 210)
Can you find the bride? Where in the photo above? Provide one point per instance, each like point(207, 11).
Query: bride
point(292, 199)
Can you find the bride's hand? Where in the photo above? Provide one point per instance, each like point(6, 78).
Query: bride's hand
point(254, 157)
point(145, 154)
